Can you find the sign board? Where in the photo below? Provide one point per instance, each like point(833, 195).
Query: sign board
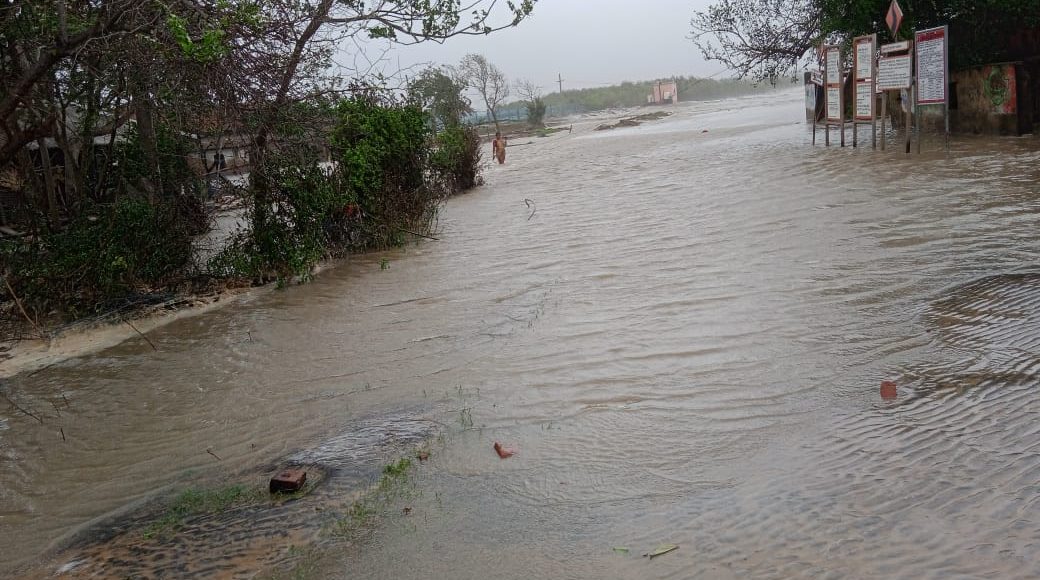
point(894, 18)
point(863, 69)
point(895, 47)
point(832, 78)
point(833, 65)
point(816, 77)
point(931, 65)
point(894, 72)
point(834, 104)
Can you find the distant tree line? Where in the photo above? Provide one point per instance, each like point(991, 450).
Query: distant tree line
point(630, 94)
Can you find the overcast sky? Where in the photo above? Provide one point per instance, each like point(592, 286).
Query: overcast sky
point(590, 42)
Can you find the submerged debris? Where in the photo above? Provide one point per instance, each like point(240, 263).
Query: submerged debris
point(503, 452)
point(661, 550)
point(634, 121)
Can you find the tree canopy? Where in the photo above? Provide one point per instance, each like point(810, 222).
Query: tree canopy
point(768, 39)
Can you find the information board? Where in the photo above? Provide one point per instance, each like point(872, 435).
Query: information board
point(864, 101)
point(894, 72)
point(832, 76)
point(833, 66)
point(864, 58)
point(863, 68)
point(930, 48)
point(834, 104)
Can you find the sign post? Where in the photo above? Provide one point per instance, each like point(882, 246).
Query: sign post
point(933, 71)
point(895, 68)
point(833, 96)
point(864, 72)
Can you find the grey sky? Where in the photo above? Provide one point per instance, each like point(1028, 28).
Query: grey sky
point(590, 42)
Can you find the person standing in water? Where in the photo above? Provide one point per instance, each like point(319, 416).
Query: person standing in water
point(498, 147)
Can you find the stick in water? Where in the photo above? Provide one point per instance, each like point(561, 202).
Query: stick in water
point(150, 343)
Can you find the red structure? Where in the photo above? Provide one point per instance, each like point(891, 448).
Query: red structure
point(664, 92)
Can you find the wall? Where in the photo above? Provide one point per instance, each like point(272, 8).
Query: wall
point(985, 101)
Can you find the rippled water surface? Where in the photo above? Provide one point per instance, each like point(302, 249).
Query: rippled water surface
point(682, 332)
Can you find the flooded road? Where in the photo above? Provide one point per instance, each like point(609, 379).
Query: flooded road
point(682, 332)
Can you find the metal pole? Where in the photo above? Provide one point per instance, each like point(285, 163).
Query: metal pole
point(873, 96)
point(884, 113)
point(908, 117)
point(917, 120)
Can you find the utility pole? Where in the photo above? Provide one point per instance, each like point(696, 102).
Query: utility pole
point(559, 78)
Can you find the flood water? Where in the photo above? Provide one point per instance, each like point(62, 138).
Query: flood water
point(683, 334)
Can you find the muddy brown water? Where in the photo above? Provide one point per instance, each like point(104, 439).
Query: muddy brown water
point(684, 342)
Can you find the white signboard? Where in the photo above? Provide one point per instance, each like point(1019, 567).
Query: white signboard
point(864, 59)
point(894, 73)
point(864, 94)
point(895, 47)
point(931, 65)
point(834, 104)
point(833, 66)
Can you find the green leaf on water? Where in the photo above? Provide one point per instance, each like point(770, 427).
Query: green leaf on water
point(661, 550)
point(620, 550)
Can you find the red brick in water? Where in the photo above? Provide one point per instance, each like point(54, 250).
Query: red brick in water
point(288, 481)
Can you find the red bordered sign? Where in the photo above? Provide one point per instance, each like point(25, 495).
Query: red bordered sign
point(930, 52)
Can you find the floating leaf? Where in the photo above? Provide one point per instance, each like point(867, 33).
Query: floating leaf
point(661, 550)
point(620, 550)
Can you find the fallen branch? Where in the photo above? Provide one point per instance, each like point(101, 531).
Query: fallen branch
point(531, 205)
point(21, 308)
point(418, 234)
point(150, 343)
point(214, 455)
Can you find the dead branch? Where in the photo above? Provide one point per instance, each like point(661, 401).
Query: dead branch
point(21, 308)
point(150, 343)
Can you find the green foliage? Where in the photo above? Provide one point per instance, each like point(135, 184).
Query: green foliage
point(979, 28)
point(105, 254)
point(456, 158)
point(208, 48)
point(380, 146)
point(131, 166)
point(194, 501)
point(442, 95)
point(398, 469)
point(383, 153)
point(385, 185)
point(536, 112)
point(310, 220)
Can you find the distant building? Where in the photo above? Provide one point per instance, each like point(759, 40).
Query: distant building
point(663, 92)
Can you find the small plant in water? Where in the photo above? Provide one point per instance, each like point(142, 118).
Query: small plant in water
point(384, 264)
point(466, 418)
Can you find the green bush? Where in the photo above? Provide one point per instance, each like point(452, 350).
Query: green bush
point(456, 158)
point(383, 148)
point(106, 253)
point(310, 220)
point(536, 113)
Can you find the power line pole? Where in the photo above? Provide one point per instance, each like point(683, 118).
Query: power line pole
point(560, 80)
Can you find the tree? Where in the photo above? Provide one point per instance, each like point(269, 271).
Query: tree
point(440, 93)
point(486, 79)
point(763, 39)
point(767, 39)
point(532, 96)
